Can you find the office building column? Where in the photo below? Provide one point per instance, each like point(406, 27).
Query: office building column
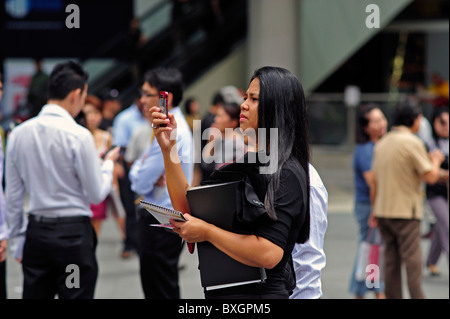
point(273, 34)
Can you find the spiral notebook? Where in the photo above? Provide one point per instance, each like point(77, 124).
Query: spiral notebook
point(163, 214)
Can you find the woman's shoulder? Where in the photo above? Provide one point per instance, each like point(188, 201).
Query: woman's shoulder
point(293, 174)
point(102, 138)
point(363, 152)
point(101, 133)
point(364, 147)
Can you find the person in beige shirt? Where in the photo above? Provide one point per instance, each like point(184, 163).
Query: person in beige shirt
point(400, 165)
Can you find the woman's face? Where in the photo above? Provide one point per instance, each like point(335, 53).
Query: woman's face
point(195, 107)
point(377, 124)
point(441, 125)
point(222, 121)
point(249, 108)
point(93, 116)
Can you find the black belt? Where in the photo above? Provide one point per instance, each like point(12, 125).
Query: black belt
point(57, 220)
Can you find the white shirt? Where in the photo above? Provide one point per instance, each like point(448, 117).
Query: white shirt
point(125, 123)
point(139, 142)
point(309, 258)
point(53, 160)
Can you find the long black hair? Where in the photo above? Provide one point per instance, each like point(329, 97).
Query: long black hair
point(282, 105)
point(437, 115)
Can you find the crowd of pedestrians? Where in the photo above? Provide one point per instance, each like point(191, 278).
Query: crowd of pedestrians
point(83, 158)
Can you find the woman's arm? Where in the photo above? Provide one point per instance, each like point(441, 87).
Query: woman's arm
point(370, 179)
point(177, 185)
point(248, 249)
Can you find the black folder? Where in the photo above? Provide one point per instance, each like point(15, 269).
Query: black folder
point(216, 204)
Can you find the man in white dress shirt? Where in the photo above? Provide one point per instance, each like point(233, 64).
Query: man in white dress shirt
point(53, 160)
point(309, 258)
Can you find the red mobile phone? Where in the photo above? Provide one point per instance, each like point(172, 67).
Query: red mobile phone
point(163, 104)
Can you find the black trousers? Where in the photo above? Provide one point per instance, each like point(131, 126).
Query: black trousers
point(3, 280)
point(59, 258)
point(128, 196)
point(159, 253)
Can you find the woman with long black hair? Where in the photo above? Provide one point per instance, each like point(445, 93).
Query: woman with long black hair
point(437, 194)
point(274, 100)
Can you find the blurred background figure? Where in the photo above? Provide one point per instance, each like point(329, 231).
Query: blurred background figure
point(2, 131)
point(227, 95)
point(189, 16)
point(371, 125)
point(103, 141)
point(140, 139)
point(439, 88)
point(437, 194)
point(134, 41)
point(191, 113)
point(111, 107)
point(191, 110)
point(181, 10)
point(400, 164)
point(125, 124)
point(437, 93)
point(232, 94)
point(228, 144)
point(37, 91)
point(208, 119)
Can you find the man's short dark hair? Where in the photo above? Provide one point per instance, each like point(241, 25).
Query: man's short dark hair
point(406, 113)
point(66, 77)
point(170, 80)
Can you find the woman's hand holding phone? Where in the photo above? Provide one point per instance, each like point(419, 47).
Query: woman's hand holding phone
point(162, 134)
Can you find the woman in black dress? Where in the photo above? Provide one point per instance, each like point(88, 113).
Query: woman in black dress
point(275, 103)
